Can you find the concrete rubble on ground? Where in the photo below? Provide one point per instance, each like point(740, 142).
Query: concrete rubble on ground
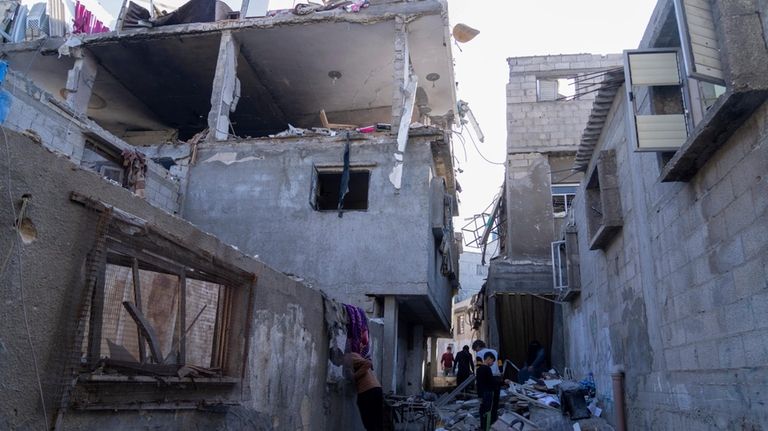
point(528, 407)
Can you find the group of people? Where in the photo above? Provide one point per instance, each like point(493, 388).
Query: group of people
point(484, 364)
point(488, 375)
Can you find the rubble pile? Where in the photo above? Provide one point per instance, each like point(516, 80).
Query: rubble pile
point(548, 404)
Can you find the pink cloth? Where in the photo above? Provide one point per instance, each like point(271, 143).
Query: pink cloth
point(86, 22)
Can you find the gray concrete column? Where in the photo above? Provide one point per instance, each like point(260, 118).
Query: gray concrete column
point(415, 362)
point(389, 370)
point(226, 88)
point(80, 80)
point(529, 204)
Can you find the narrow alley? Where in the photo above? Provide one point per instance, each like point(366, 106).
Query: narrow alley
point(283, 215)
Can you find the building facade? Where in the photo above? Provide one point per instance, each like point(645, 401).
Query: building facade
point(548, 101)
point(672, 224)
point(249, 129)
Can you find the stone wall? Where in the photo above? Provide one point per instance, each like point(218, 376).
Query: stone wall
point(284, 386)
point(677, 297)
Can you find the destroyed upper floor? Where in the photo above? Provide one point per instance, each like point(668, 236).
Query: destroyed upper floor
point(153, 85)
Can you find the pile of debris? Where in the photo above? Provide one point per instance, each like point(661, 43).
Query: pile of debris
point(547, 404)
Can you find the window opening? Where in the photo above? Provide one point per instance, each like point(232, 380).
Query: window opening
point(161, 322)
point(104, 159)
point(562, 198)
point(326, 189)
point(559, 266)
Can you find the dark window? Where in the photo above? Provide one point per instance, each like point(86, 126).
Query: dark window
point(104, 159)
point(327, 189)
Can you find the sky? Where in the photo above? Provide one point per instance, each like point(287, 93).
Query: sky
point(514, 28)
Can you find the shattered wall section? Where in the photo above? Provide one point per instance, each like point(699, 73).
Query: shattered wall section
point(52, 123)
point(44, 277)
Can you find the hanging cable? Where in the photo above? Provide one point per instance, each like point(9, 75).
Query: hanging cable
point(481, 154)
point(17, 238)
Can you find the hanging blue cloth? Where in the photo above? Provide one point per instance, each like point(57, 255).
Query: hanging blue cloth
point(5, 96)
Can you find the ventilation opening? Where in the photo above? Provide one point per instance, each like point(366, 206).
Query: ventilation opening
point(328, 186)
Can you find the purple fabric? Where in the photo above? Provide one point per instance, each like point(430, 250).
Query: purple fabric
point(357, 331)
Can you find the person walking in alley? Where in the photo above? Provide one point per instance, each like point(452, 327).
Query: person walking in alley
point(480, 351)
point(534, 363)
point(447, 361)
point(464, 366)
point(370, 397)
point(486, 388)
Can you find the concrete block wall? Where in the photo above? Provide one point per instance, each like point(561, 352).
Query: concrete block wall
point(255, 194)
point(287, 321)
point(32, 110)
point(678, 297)
point(548, 125)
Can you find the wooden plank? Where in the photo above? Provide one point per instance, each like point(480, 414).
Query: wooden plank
point(182, 316)
point(146, 328)
point(155, 239)
point(97, 310)
point(137, 301)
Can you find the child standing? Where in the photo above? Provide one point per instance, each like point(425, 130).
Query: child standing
point(486, 386)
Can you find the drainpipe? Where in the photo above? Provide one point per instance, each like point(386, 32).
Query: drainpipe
point(618, 398)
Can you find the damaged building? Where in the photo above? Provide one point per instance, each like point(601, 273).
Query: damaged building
point(277, 164)
point(548, 101)
point(672, 223)
point(658, 267)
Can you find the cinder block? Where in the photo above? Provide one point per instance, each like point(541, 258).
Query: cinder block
point(731, 352)
point(708, 355)
point(749, 278)
point(738, 317)
point(756, 348)
point(727, 256)
point(688, 360)
point(739, 214)
point(754, 238)
point(759, 306)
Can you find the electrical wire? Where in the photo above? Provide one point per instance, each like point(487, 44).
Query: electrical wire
point(463, 143)
point(478, 149)
point(22, 298)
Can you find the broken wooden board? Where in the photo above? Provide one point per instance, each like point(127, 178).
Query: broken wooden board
point(146, 329)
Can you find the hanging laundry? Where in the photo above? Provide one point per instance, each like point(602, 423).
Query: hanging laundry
point(358, 339)
point(85, 21)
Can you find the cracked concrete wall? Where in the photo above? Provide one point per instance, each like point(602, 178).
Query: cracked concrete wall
point(288, 330)
point(678, 297)
point(256, 195)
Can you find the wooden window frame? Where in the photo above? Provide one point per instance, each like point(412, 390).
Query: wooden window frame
point(125, 239)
